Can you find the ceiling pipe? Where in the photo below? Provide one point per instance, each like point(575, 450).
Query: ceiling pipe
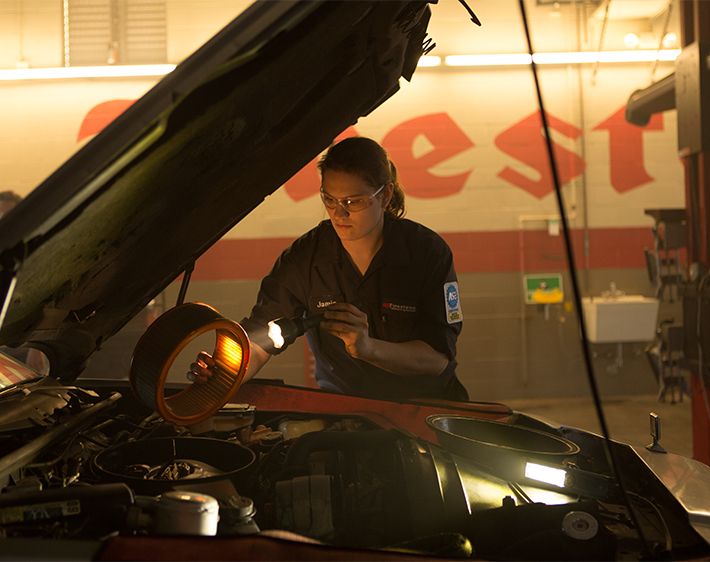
point(658, 97)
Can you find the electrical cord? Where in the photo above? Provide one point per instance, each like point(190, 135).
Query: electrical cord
point(519, 492)
point(669, 11)
point(666, 530)
point(586, 353)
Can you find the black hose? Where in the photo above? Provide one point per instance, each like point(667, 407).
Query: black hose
point(324, 440)
point(27, 453)
point(569, 250)
point(105, 494)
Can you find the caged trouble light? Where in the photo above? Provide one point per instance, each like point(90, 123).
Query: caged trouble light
point(546, 474)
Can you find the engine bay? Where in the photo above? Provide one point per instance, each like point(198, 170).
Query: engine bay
point(93, 464)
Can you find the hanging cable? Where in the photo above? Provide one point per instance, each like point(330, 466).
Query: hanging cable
point(474, 18)
point(187, 275)
point(602, 34)
point(666, 23)
point(611, 458)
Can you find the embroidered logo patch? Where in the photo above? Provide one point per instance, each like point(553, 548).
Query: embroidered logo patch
point(399, 307)
point(452, 302)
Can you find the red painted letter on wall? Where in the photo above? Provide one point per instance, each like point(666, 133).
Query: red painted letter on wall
point(101, 115)
point(447, 140)
point(306, 181)
point(626, 150)
point(524, 141)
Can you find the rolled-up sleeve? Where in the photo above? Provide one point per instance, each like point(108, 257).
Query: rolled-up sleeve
point(280, 295)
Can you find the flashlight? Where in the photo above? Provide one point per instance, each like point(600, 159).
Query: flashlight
point(284, 331)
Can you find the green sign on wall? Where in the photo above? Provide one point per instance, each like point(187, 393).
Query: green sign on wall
point(544, 288)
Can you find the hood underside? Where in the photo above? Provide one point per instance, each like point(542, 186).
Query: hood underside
point(138, 204)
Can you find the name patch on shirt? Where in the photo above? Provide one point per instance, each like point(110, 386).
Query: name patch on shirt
point(399, 307)
point(322, 300)
point(452, 302)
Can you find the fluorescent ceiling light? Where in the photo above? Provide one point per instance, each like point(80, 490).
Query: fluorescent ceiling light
point(508, 59)
point(429, 60)
point(547, 474)
point(573, 57)
point(492, 59)
point(648, 55)
point(73, 72)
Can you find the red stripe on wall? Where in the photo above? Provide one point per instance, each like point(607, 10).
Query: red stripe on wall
point(240, 258)
point(536, 250)
point(474, 252)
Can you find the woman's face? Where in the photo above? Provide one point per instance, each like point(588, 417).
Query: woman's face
point(353, 224)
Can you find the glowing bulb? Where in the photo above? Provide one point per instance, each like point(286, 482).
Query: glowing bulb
point(547, 474)
point(670, 40)
point(631, 40)
point(275, 335)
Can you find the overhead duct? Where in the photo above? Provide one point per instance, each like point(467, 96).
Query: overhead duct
point(658, 97)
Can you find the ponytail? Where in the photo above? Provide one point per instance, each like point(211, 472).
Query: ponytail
point(395, 207)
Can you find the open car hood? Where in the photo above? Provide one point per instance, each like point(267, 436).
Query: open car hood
point(88, 248)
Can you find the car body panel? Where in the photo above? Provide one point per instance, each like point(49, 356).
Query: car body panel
point(687, 479)
point(196, 154)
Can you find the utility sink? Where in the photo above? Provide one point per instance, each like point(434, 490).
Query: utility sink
point(625, 318)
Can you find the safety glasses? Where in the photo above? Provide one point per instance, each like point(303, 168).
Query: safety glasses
point(350, 204)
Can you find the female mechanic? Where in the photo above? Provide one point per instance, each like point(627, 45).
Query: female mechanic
point(386, 287)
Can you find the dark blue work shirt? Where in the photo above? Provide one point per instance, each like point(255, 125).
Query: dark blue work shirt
point(409, 292)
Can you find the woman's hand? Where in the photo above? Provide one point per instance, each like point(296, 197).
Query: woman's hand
point(349, 323)
point(205, 367)
point(202, 369)
point(415, 357)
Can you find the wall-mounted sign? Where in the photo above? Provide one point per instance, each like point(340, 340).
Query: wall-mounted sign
point(543, 288)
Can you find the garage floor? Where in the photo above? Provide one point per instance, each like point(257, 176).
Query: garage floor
point(626, 417)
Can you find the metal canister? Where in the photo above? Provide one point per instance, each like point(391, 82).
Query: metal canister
point(186, 513)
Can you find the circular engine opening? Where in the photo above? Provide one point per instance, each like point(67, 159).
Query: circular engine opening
point(153, 466)
point(502, 449)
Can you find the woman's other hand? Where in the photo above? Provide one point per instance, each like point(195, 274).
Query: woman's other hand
point(349, 323)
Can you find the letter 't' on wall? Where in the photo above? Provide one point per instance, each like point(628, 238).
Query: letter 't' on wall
point(626, 161)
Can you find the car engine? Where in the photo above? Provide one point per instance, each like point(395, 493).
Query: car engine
point(80, 463)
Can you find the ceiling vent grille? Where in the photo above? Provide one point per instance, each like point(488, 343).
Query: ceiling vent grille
point(89, 32)
point(116, 32)
point(143, 35)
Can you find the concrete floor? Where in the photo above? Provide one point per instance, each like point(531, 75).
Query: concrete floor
point(626, 417)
